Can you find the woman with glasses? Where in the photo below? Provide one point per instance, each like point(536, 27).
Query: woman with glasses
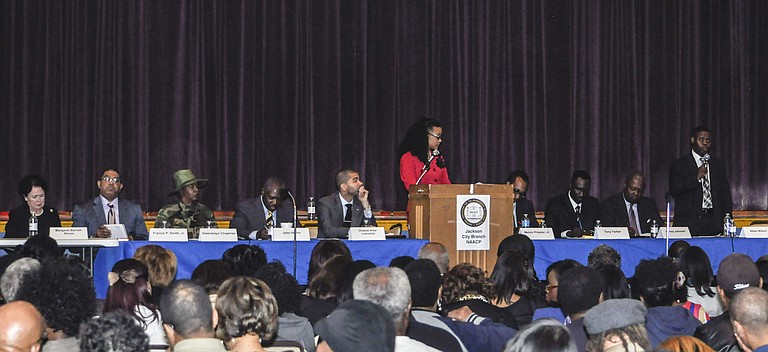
point(420, 160)
point(32, 189)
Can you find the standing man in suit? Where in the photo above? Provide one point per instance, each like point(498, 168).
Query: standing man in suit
point(349, 207)
point(700, 187)
point(107, 208)
point(630, 209)
point(573, 214)
point(262, 213)
point(519, 181)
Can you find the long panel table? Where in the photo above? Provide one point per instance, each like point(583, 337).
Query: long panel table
point(191, 254)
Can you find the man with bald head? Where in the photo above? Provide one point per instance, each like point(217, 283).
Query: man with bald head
point(21, 327)
point(253, 217)
point(436, 252)
point(749, 316)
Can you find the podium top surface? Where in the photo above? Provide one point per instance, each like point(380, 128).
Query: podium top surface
point(450, 191)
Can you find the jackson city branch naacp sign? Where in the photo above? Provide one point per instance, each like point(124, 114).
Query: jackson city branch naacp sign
point(473, 231)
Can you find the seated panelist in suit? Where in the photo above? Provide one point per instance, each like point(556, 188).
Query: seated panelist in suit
point(349, 207)
point(32, 189)
point(630, 209)
point(108, 208)
point(573, 214)
point(519, 181)
point(260, 214)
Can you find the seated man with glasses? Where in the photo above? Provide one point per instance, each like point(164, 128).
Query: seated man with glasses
point(107, 208)
point(187, 212)
point(519, 181)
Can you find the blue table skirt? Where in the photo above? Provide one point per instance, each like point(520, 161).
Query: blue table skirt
point(633, 250)
point(191, 254)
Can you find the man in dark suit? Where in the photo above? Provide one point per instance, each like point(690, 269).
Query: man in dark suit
point(574, 213)
point(519, 181)
point(107, 208)
point(630, 209)
point(700, 187)
point(261, 213)
point(348, 207)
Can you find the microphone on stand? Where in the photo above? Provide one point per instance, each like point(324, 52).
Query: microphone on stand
point(666, 234)
point(285, 191)
point(432, 156)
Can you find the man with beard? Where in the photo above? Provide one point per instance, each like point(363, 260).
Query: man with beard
point(574, 213)
point(349, 207)
point(630, 209)
point(254, 217)
point(107, 208)
point(187, 212)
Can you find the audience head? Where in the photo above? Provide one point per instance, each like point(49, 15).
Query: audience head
point(519, 181)
point(186, 311)
point(655, 281)
point(323, 251)
point(110, 184)
point(634, 186)
point(749, 317)
point(245, 307)
point(616, 284)
point(346, 278)
point(603, 255)
point(63, 293)
point(616, 321)
point(32, 189)
point(161, 262)
point(272, 193)
point(22, 327)
point(284, 287)
point(677, 248)
point(695, 265)
point(554, 271)
point(129, 288)
point(542, 335)
point(244, 259)
point(425, 280)
point(737, 272)
point(762, 267)
point(512, 276)
point(436, 252)
point(580, 289)
point(115, 332)
point(518, 243)
point(211, 273)
point(357, 325)
point(684, 344)
point(466, 279)
point(323, 284)
point(389, 288)
point(401, 261)
point(581, 182)
point(15, 274)
point(42, 248)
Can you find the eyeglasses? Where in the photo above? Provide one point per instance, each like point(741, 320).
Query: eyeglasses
point(110, 179)
point(519, 193)
point(550, 287)
point(438, 136)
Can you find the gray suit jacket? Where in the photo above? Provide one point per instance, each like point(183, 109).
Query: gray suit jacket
point(91, 215)
point(330, 216)
point(249, 216)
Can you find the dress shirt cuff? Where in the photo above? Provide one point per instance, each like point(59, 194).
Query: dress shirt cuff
point(368, 213)
point(254, 235)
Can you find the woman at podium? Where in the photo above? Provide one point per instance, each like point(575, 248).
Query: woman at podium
point(420, 160)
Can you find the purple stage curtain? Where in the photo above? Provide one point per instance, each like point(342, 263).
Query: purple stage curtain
point(242, 90)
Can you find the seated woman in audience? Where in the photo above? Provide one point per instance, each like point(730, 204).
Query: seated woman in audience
point(542, 335)
point(554, 272)
point(42, 248)
point(162, 265)
point(244, 259)
point(211, 274)
point(684, 344)
point(616, 284)
point(347, 277)
point(465, 285)
point(514, 283)
point(32, 189)
point(130, 292)
point(247, 314)
point(697, 271)
point(324, 251)
point(320, 298)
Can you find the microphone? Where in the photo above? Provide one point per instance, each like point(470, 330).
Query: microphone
point(705, 159)
point(284, 192)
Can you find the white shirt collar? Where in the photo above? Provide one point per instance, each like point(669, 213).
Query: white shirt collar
point(344, 201)
point(573, 202)
point(697, 157)
point(105, 203)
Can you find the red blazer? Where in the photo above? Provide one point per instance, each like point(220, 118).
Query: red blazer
point(410, 169)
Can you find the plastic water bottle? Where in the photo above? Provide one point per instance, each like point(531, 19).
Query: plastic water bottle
point(33, 225)
point(597, 225)
point(654, 229)
point(526, 223)
point(164, 225)
point(311, 214)
point(543, 224)
point(727, 224)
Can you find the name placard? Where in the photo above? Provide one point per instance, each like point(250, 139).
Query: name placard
point(612, 233)
point(675, 232)
point(217, 235)
point(69, 233)
point(168, 235)
point(538, 233)
point(286, 234)
point(366, 234)
point(754, 232)
point(117, 230)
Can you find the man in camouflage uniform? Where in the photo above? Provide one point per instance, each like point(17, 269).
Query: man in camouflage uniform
point(187, 212)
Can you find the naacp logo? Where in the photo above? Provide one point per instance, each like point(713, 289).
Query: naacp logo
point(474, 212)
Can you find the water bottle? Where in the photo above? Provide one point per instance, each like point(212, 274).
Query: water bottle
point(164, 225)
point(731, 227)
point(543, 224)
point(654, 229)
point(597, 225)
point(526, 223)
point(727, 224)
point(311, 215)
point(33, 225)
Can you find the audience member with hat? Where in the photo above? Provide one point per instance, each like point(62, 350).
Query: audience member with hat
point(186, 212)
point(617, 325)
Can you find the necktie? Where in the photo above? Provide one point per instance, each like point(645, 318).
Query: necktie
point(578, 215)
point(348, 216)
point(270, 220)
point(632, 219)
point(111, 214)
point(707, 191)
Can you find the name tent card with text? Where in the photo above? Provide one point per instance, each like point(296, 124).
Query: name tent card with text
point(754, 232)
point(538, 233)
point(281, 234)
point(674, 232)
point(217, 235)
point(366, 234)
point(69, 233)
point(168, 235)
point(612, 233)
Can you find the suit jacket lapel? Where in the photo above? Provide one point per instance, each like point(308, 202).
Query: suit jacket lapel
point(357, 212)
point(99, 211)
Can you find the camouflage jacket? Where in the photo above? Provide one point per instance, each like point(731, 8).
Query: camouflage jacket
point(192, 217)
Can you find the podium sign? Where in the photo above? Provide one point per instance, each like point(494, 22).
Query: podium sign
point(473, 231)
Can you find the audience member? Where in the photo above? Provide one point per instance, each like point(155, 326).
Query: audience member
point(323, 251)
point(749, 317)
point(677, 248)
point(603, 255)
point(465, 285)
point(32, 189)
point(401, 261)
point(349, 207)
point(617, 325)
point(114, 332)
point(15, 275)
point(247, 314)
point(684, 344)
point(162, 265)
point(42, 248)
point(320, 297)
point(580, 289)
point(522, 206)
point(573, 214)
point(523, 244)
point(22, 327)
point(630, 209)
point(554, 271)
point(616, 285)
point(211, 274)
point(244, 259)
point(436, 252)
point(515, 293)
point(188, 318)
point(542, 335)
point(762, 266)
point(357, 325)
point(255, 216)
point(697, 270)
point(187, 212)
point(346, 278)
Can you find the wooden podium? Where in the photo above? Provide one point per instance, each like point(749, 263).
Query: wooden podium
point(433, 216)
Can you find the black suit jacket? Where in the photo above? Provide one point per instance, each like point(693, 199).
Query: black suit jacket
point(330, 216)
point(560, 215)
point(249, 216)
point(18, 222)
point(525, 206)
point(613, 212)
point(686, 190)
